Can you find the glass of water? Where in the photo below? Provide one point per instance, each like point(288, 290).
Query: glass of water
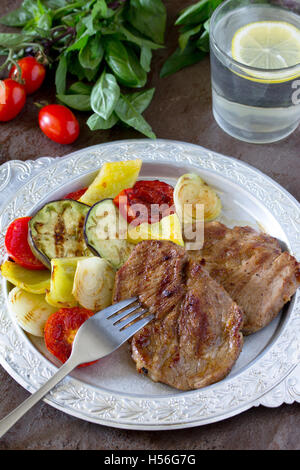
point(255, 68)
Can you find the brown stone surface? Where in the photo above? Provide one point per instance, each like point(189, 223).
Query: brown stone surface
point(181, 110)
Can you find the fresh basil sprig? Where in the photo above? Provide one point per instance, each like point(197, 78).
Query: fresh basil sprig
point(103, 46)
point(193, 39)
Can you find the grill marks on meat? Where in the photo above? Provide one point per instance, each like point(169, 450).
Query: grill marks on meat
point(195, 338)
point(252, 268)
point(155, 272)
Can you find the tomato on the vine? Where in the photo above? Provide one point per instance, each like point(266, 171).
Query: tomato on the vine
point(32, 73)
point(12, 99)
point(59, 123)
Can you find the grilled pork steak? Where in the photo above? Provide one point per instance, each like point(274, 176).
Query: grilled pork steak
point(252, 268)
point(195, 338)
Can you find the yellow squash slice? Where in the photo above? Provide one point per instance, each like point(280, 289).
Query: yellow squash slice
point(194, 199)
point(169, 228)
point(36, 282)
point(111, 180)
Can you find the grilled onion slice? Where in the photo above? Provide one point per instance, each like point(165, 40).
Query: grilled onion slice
point(194, 199)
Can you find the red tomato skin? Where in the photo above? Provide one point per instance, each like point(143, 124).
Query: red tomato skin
point(17, 247)
point(59, 123)
point(146, 193)
point(75, 194)
point(60, 330)
point(33, 74)
point(12, 99)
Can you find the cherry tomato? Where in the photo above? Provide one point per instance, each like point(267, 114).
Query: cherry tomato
point(76, 194)
point(156, 197)
point(33, 73)
point(60, 330)
point(17, 246)
point(12, 99)
point(59, 123)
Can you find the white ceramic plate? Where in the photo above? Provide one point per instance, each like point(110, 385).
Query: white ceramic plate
point(111, 392)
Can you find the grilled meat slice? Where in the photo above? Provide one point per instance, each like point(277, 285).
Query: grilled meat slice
point(252, 268)
point(195, 338)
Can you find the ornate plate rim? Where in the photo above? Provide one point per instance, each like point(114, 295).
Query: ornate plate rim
point(259, 383)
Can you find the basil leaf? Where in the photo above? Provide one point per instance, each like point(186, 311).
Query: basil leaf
point(80, 88)
point(141, 99)
point(16, 18)
point(145, 58)
point(197, 13)
point(74, 66)
point(203, 42)
point(105, 95)
point(41, 15)
point(55, 4)
point(124, 63)
point(96, 122)
point(101, 10)
point(78, 44)
point(149, 18)
point(91, 74)
point(180, 59)
point(78, 102)
point(61, 75)
point(92, 53)
point(139, 41)
point(184, 37)
point(10, 40)
point(128, 114)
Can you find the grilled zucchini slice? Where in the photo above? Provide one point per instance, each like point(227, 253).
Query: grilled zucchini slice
point(106, 233)
point(56, 231)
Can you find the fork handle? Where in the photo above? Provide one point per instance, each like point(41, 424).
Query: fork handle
point(7, 422)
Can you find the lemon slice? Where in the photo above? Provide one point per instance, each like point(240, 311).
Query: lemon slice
point(268, 45)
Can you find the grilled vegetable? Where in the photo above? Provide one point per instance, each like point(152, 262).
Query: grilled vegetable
point(17, 247)
point(106, 233)
point(36, 282)
point(60, 330)
point(61, 286)
point(156, 197)
point(56, 231)
point(30, 310)
point(111, 180)
point(93, 283)
point(192, 191)
point(169, 228)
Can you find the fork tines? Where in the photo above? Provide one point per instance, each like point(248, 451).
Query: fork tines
point(130, 314)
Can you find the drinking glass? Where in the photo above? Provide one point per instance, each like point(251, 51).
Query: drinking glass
point(252, 104)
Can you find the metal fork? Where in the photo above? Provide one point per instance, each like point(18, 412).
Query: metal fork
point(97, 337)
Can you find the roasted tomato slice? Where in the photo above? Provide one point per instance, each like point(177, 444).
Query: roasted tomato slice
point(17, 247)
point(147, 201)
point(76, 194)
point(60, 330)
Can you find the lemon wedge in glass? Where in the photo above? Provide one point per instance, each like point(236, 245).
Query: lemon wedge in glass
point(268, 45)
